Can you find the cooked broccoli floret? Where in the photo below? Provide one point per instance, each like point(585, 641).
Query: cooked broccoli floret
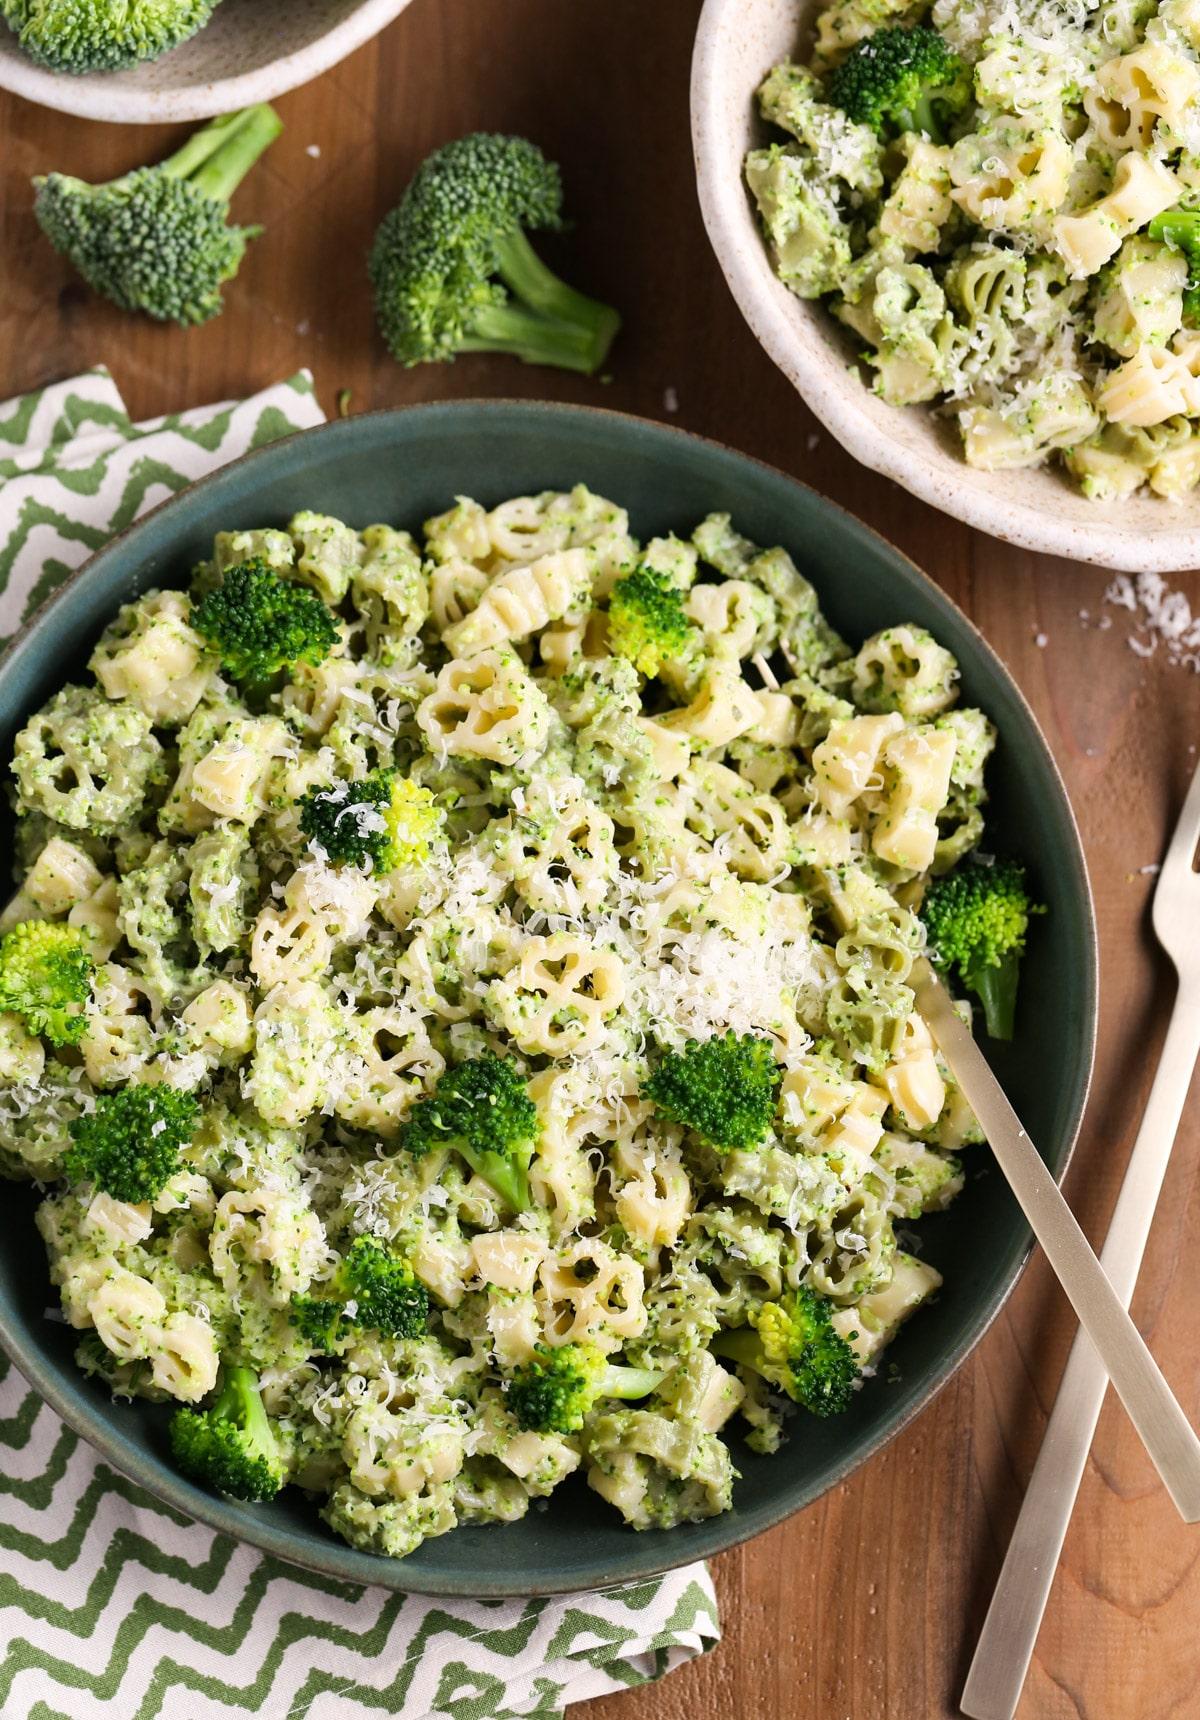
point(157, 239)
point(482, 1109)
point(454, 272)
point(903, 78)
point(724, 1088)
point(230, 1446)
point(373, 1290)
point(79, 36)
point(129, 1145)
point(1180, 229)
point(555, 1393)
point(977, 917)
point(46, 978)
point(260, 624)
point(384, 818)
point(792, 1343)
point(646, 621)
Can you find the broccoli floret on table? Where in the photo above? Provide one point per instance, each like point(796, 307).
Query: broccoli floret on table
point(453, 270)
point(231, 1446)
point(46, 978)
point(792, 1343)
point(80, 36)
point(129, 1144)
point(724, 1088)
point(903, 78)
point(1180, 229)
point(483, 1111)
point(646, 620)
point(977, 917)
point(158, 240)
point(556, 1392)
point(260, 624)
point(384, 818)
point(373, 1290)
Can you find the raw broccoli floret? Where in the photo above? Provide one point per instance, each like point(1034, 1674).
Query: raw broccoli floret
point(384, 818)
point(646, 620)
point(792, 1343)
point(454, 272)
point(231, 1446)
point(724, 1088)
point(157, 239)
point(1180, 229)
point(260, 624)
point(129, 1145)
point(80, 36)
point(482, 1109)
point(46, 978)
point(555, 1393)
point(977, 917)
point(903, 78)
point(373, 1290)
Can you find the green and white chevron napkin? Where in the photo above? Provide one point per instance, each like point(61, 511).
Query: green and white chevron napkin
point(112, 1606)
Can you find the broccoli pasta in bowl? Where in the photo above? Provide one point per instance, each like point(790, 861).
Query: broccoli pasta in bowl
point(455, 1007)
point(996, 198)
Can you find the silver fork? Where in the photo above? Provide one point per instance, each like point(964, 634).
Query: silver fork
point(1010, 1630)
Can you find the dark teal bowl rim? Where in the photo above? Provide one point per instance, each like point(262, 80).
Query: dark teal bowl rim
point(649, 1554)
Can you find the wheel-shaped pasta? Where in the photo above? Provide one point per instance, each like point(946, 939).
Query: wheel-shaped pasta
point(486, 707)
point(85, 762)
point(558, 998)
point(590, 1294)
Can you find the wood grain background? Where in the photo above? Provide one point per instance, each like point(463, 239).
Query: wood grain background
point(866, 1605)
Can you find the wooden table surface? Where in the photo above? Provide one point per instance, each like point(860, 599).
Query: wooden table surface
point(865, 1606)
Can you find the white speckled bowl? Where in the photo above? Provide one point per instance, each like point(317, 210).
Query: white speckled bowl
point(252, 51)
point(737, 43)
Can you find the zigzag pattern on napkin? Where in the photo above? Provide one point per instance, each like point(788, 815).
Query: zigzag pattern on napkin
point(80, 471)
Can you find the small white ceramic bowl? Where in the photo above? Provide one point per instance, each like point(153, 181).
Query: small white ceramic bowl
point(252, 51)
point(737, 43)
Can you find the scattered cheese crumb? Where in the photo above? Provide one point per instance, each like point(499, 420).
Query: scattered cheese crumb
point(1041, 640)
point(1162, 618)
point(671, 399)
point(313, 149)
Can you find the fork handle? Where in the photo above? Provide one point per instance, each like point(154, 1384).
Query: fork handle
point(1006, 1643)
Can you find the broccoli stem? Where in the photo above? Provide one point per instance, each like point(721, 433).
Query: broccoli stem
point(921, 117)
point(996, 989)
point(533, 338)
point(742, 1345)
point(219, 156)
point(525, 274)
point(510, 1180)
point(629, 1383)
point(239, 1401)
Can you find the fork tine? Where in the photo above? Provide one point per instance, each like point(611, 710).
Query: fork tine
point(1182, 850)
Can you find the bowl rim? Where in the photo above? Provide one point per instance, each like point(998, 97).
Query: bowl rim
point(114, 98)
point(762, 299)
point(724, 1532)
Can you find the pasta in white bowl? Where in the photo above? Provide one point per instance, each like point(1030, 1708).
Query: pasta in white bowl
point(490, 1022)
point(1008, 332)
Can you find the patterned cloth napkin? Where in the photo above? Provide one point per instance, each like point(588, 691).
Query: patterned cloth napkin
point(112, 1606)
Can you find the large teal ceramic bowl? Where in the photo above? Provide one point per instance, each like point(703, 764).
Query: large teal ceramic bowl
point(401, 467)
